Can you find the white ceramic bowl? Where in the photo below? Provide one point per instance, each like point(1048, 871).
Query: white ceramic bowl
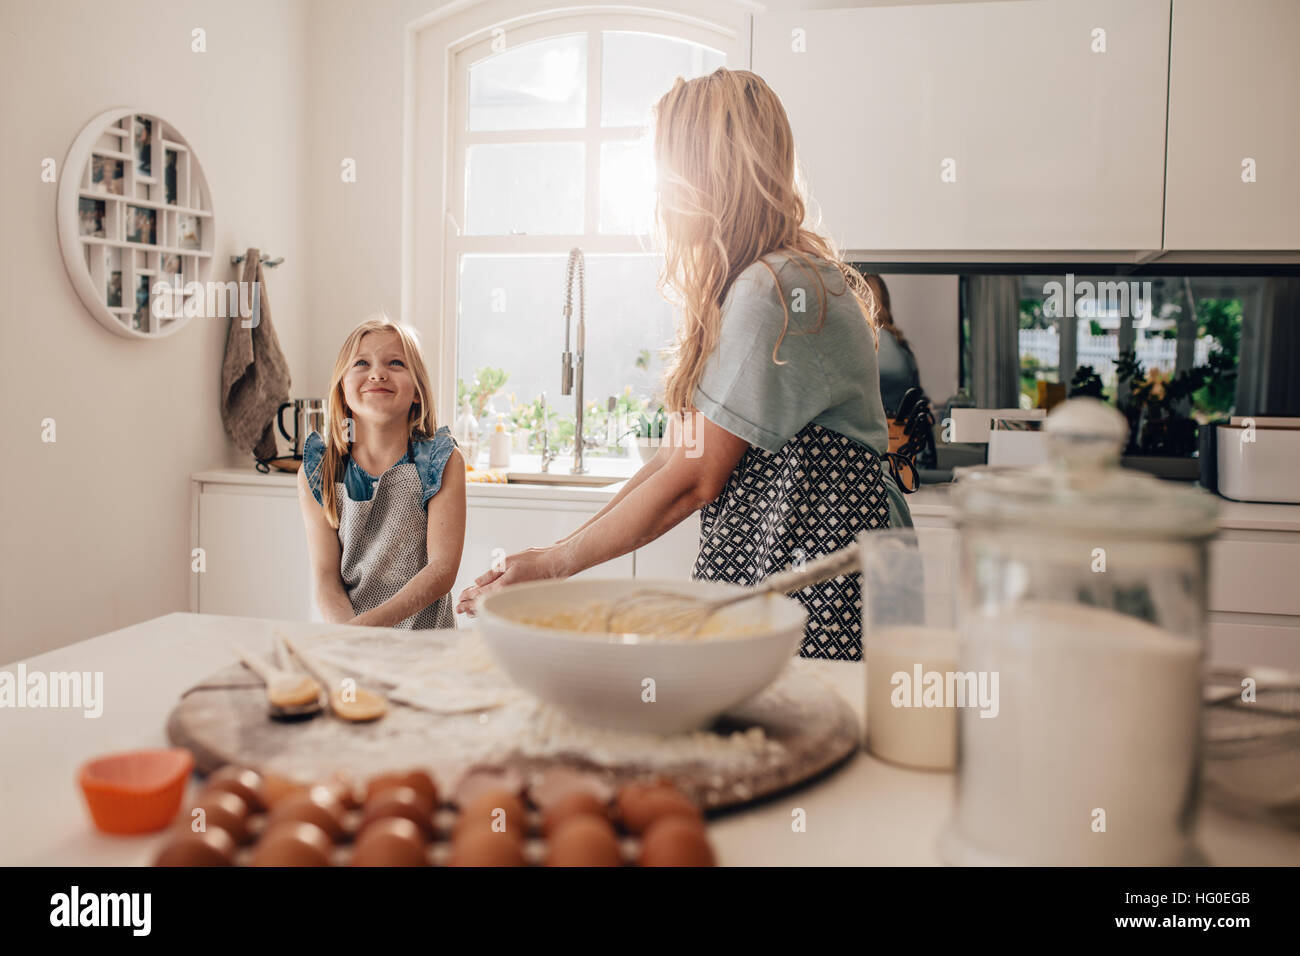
point(602, 682)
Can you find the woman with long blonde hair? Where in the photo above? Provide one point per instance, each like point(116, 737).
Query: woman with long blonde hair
point(383, 490)
point(773, 372)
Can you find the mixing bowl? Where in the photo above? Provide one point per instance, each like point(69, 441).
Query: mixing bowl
point(622, 683)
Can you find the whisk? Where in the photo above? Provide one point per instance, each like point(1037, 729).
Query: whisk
point(660, 612)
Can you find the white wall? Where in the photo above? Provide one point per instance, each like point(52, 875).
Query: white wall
point(96, 526)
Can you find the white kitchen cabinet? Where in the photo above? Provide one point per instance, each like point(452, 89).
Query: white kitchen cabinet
point(509, 525)
point(254, 552)
point(1054, 146)
point(671, 556)
point(1234, 80)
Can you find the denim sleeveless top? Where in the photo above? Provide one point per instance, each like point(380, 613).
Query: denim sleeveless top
point(383, 524)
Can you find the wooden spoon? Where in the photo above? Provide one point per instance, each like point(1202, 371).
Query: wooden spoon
point(286, 692)
point(355, 704)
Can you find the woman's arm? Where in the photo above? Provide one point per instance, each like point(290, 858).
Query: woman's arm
point(444, 542)
point(326, 553)
point(679, 487)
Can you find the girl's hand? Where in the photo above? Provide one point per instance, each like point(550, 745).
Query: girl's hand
point(535, 564)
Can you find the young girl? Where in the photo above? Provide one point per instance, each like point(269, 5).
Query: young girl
point(383, 492)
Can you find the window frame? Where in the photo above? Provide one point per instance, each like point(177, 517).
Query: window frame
point(440, 49)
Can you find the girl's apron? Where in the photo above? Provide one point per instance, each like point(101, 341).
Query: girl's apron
point(812, 497)
point(383, 543)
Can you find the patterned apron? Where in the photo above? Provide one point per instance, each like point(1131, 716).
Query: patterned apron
point(383, 543)
point(812, 497)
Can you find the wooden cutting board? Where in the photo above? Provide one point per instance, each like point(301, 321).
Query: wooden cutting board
point(790, 733)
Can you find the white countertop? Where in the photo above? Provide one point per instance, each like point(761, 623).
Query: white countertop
point(932, 501)
point(866, 812)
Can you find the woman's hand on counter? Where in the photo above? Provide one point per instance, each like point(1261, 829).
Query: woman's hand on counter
point(534, 564)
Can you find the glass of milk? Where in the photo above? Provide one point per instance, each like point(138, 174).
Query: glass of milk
point(1082, 587)
point(909, 645)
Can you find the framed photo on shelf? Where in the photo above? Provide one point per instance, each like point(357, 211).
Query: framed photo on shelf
point(106, 175)
point(169, 177)
point(169, 265)
point(114, 296)
point(91, 217)
point(140, 320)
point(143, 146)
point(142, 225)
point(187, 232)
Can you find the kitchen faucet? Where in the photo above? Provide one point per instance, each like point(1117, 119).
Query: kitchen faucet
point(568, 360)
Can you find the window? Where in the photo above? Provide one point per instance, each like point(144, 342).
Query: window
point(1170, 324)
point(549, 147)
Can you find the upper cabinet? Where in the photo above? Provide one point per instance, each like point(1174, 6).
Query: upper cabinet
point(1233, 180)
point(980, 126)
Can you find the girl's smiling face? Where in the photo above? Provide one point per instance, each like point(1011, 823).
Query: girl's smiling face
point(378, 385)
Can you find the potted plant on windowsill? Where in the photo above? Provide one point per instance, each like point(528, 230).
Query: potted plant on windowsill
point(650, 432)
point(1162, 435)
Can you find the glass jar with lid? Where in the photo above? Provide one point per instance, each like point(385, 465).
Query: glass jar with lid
point(1082, 606)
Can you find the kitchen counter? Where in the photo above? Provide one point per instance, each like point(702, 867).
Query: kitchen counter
point(865, 812)
point(931, 502)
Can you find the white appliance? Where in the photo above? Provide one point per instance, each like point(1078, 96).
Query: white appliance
point(1259, 460)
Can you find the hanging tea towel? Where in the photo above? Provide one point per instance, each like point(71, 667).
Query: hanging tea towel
point(254, 373)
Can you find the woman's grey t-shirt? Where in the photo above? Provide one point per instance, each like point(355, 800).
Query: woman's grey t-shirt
point(829, 377)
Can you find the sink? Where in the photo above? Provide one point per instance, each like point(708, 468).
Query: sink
point(560, 478)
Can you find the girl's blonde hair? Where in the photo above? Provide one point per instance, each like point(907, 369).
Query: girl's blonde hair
point(729, 193)
point(422, 418)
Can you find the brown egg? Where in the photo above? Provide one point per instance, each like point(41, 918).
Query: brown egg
point(479, 846)
point(420, 781)
point(318, 806)
point(583, 841)
point(415, 779)
point(640, 810)
point(243, 783)
point(292, 843)
point(211, 848)
point(576, 804)
point(221, 809)
point(631, 792)
point(481, 814)
point(390, 842)
point(676, 841)
point(483, 780)
point(279, 789)
point(400, 802)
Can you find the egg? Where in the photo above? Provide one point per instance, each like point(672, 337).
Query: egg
point(676, 841)
point(220, 809)
point(495, 812)
point(292, 843)
point(318, 806)
point(479, 846)
point(400, 802)
point(391, 842)
point(552, 786)
point(246, 784)
point(211, 848)
point(639, 810)
point(583, 841)
point(417, 780)
point(344, 789)
point(578, 803)
point(483, 780)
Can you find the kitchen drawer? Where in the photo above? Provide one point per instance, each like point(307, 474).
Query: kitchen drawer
point(1237, 641)
point(1255, 576)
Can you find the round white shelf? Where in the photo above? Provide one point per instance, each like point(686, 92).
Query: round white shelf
point(135, 224)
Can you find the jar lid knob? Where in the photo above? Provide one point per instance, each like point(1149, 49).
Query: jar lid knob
point(1085, 434)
